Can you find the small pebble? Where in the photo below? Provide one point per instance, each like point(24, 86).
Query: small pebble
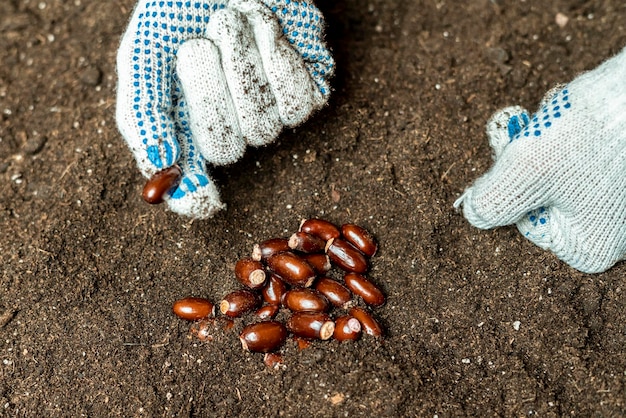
point(91, 76)
point(561, 20)
point(34, 144)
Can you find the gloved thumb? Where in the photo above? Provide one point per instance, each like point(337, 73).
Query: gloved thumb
point(504, 126)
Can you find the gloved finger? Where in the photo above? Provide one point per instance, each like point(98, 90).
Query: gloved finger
point(196, 195)
point(144, 100)
point(249, 88)
point(513, 187)
point(212, 114)
point(504, 126)
point(296, 93)
point(536, 226)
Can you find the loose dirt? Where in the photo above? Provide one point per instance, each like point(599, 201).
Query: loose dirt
point(479, 323)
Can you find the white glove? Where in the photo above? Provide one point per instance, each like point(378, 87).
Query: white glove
point(200, 80)
point(561, 175)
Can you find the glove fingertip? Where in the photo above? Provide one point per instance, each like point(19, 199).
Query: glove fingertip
point(293, 57)
point(504, 126)
point(471, 210)
point(196, 197)
point(459, 201)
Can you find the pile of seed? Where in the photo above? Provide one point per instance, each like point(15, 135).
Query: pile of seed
point(294, 274)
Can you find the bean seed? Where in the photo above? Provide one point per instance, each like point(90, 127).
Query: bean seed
point(270, 247)
point(319, 262)
point(263, 337)
point(306, 243)
point(160, 184)
point(202, 329)
point(321, 228)
point(267, 312)
point(250, 273)
point(314, 325)
point(369, 325)
point(347, 328)
point(238, 303)
point(292, 269)
point(305, 300)
point(334, 291)
point(361, 286)
point(193, 309)
point(360, 238)
point(345, 256)
point(303, 343)
point(273, 360)
point(274, 290)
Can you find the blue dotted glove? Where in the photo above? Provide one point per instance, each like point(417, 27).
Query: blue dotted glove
point(560, 175)
point(199, 81)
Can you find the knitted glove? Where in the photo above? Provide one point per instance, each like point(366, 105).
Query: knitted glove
point(198, 81)
point(560, 175)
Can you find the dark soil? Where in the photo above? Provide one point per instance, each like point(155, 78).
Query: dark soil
point(479, 323)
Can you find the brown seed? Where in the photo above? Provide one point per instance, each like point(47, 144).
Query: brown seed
point(203, 329)
point(274, 290)
point(347, 328)
point(360, 238)
point(238, 303)
point(292, 269)
point(316, 325)
point(319, 262)
point(250, 273)
point(270, 247)
point(321, 228)
point(368, 323)
point(306, 243)
point(303, 343)
point(334, 291)
point(193, 309)
point(263, 337)
point(267, 312)
point(273, 360)
point(161, 183)
point(345, 256)
point(361, 286)
point(305, 300)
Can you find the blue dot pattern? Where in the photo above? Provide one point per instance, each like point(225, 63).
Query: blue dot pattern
point(194, 163)
point(516, 124)
point(522, 127)
point(303, 26)
point(161, 27)
point(538, 217)
point(158, 106)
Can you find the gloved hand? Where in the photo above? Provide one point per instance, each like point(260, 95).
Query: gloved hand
point(560, 175)
point(201, 80)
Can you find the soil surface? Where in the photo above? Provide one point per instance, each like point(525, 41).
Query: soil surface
point(479, 323)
